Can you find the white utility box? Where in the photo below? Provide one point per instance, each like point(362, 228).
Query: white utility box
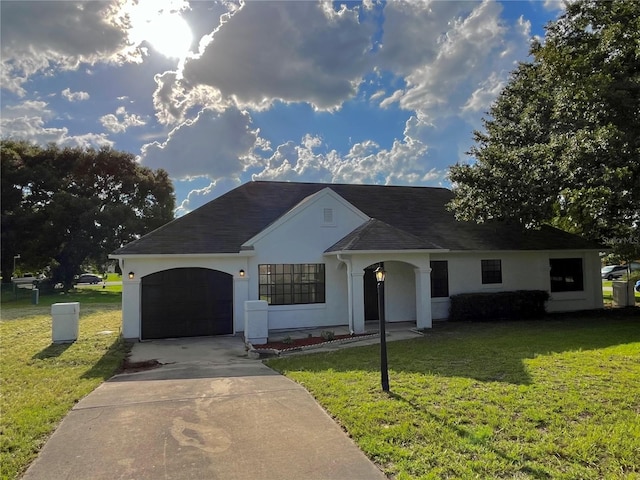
point(66, 318)
point(256, 321)
point(623, 295)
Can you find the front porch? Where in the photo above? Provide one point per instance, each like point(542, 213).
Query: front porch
point(407, 288)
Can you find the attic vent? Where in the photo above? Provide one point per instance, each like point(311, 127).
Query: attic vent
point(328, 216)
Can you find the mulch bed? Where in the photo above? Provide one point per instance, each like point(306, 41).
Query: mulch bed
point(304, 342)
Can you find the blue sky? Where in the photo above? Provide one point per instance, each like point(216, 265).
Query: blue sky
point(222, 92)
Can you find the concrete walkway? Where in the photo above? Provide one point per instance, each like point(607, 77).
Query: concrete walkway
point(208, 413)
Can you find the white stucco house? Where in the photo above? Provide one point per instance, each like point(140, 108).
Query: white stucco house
point(310, 249)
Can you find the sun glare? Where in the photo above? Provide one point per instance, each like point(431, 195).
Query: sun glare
point(161, 25)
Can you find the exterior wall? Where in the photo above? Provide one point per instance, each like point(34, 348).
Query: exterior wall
point(301, 237)
point(142, 266)
point(521, 271)
point(400, 292)
point(590, 297)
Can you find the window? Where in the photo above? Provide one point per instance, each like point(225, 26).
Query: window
point(566, 274)
point(291, 284)
point(439, 279)
point(491, 271)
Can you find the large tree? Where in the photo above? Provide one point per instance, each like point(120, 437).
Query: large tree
point(63, 207)
point(561, 144)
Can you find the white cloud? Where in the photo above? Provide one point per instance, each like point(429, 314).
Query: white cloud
point(38, 35)
point(33, 128)
point(555, 5)
point(214, 145)
point(28, 120)
point(291, 51)
point(172, 99)
point(414, 31)
point(121, 121)
point(74, 96)
point(393, 98)
point(406, 162)
point(484, 94)
point(199, 196)
point(452, 59)
point(376, 95)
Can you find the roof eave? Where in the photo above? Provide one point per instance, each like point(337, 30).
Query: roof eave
point(243, 253)
point(381, 252)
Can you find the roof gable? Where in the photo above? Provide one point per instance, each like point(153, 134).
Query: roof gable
point(300, 208)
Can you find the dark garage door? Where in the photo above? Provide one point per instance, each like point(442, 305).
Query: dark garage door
point(187, 302)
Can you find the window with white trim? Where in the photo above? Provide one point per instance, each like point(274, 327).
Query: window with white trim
point(291, 284)
point(566, 274)
point(439, 278)
point(491, 271)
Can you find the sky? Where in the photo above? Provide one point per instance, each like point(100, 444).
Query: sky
point(223, 92)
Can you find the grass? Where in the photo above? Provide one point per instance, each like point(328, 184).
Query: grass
point(82, 294)
point(556, 398)
point(42, 381)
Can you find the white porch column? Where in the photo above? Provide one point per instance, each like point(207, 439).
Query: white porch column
point(423, 297)
point(131, 307)
point(357, 282)
point(240, 295)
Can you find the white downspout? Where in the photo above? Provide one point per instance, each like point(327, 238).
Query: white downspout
point(347, 262)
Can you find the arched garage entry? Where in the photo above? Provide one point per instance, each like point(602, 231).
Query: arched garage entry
point(187, 302)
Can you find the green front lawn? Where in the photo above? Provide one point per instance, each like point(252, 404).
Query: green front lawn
point(42, 381)
point(555, 398)
point(22, 297)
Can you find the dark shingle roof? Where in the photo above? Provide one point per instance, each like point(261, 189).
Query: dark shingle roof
point(414, 214)
point(377, 235)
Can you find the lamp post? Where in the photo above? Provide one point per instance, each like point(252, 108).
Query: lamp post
point(15, 257)
point(384, 370)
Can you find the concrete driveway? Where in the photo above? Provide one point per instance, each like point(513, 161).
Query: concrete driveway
point(208, 413)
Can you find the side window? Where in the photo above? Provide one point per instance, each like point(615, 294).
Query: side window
point(491, 271)
point(566, 274)
point(439, 279)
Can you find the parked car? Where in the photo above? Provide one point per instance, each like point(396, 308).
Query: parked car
point(89, 278)
point(637, 287)
point(611, 272)
point(27, 279)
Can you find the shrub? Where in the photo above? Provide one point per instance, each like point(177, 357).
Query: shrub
point(514, 305)
point(328, 335)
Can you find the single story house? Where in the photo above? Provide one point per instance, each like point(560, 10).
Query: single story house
point(310, 249)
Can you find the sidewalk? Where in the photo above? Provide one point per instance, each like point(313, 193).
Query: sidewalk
point(395, 331)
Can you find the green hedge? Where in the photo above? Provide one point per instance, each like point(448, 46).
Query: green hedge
point(498, 305)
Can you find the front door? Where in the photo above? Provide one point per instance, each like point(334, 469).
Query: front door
point(370, 294)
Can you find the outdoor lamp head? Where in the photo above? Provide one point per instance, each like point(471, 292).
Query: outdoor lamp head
point(241, 272)
point(380, 274)
point(131, 275)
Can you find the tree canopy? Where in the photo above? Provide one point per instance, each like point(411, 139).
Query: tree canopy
point(64, 207)
point(561, 144)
